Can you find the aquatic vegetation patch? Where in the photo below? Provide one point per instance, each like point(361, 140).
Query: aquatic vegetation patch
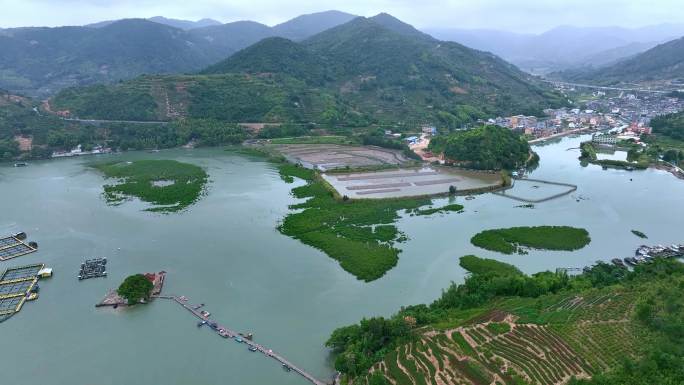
point(444, 209)
point(518, 239)
point(639, 234)
point(486, 266)
point(168, 184)
point(360, 234)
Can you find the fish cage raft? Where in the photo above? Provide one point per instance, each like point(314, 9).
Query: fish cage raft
point(13, 246)
point(18, 285)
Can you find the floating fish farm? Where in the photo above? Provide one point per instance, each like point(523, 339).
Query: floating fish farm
point(14, 246)
point(18, 285)
point(93, 268)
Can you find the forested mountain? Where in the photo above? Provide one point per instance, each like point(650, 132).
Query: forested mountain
point(184, 24)
point(41, 61)
point(304, 26)
point(564, 47)
point(369, 70)
point(663, 62)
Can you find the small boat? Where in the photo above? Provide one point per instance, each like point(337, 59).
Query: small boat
point(239, 340)
point(201, 323)
point(287, 368)
point(253, 349)
point(21, 164)
point(20, 236)
point(631, 261)
point(223, 333)
point(205, 313)
point(618, 262)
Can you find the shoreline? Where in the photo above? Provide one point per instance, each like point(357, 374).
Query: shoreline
point(559, 135)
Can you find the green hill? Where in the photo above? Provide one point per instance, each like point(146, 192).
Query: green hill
point(663, 62)
point(358, 73)
point(487, 148)
point(671, 125)
point(275, 55)
point(608, 326)
point(42, 61)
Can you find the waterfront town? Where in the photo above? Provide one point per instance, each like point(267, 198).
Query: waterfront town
point(629, 112)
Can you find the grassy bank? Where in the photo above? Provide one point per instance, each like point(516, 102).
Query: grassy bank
point(167, 184)
point(516, 239)
point(360, 234)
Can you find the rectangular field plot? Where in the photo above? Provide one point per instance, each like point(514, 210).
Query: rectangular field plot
point(329, 156)
point(410, 182)
point(17, 249)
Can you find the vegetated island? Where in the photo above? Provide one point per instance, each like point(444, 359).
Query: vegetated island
point(360, 234)
point(168, 184)
point(477, 265)
point(606, 326)
point(453, 207)
point(639, 234)
point(483, 148)
point(517, 239)
point(135, 289)
point(635, 160)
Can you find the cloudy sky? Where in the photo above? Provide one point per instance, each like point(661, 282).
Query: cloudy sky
point(514, 15)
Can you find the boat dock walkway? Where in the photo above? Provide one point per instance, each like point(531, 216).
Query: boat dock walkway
point(570, 188)
point(232, 334)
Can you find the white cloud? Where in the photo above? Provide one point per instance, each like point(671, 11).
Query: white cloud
point(519, 15)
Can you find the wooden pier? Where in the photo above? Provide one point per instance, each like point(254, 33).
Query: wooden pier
point(221, 330)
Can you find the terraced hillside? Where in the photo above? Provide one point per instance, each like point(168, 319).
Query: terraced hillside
point(601, 327)
point(581, 336)
point(229, 97)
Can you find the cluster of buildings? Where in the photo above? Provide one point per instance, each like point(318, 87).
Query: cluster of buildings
point(630, 113)
point(555, 122)
point(78, 151)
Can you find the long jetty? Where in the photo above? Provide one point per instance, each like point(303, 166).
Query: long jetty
point(232, 334)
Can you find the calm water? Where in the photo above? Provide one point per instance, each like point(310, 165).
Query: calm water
point(224, 251)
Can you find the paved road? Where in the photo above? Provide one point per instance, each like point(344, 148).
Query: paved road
point(606, 87)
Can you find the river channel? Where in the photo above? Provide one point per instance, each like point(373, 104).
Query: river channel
point(225, 251)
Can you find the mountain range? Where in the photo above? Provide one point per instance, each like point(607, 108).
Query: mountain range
point(664, 62)
point(375, 70)
point(564, 47)
point(39, 61)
